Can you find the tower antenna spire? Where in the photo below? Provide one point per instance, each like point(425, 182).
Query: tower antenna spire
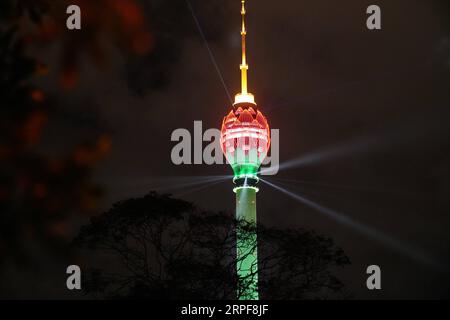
point(244, 66)
point(244, 95)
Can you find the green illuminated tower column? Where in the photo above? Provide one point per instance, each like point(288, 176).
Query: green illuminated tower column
point(246, 243)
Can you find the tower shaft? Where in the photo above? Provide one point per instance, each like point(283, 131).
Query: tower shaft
point(246, 244)
point(245, 141)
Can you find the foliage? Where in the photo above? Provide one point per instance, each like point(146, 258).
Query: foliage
point(39, 194)
point(159, 247)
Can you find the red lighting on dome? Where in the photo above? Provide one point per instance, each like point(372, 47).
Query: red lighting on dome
point(245, 138)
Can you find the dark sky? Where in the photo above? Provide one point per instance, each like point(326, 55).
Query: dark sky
point(375, 104)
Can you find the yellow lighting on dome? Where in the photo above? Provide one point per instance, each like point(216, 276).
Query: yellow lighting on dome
point(244, 97)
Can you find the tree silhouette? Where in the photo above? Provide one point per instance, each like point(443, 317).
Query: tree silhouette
point(158, 247)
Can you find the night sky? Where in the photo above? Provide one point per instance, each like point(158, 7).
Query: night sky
point(366, 111)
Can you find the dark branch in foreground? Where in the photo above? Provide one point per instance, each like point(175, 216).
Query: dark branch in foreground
point(164, 248)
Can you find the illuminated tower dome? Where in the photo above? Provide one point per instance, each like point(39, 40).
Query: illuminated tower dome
point(245, 141)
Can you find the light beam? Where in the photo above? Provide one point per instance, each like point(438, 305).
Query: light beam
point(368, 231)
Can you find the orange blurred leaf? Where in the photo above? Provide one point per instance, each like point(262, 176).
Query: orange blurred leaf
point(37, 95)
